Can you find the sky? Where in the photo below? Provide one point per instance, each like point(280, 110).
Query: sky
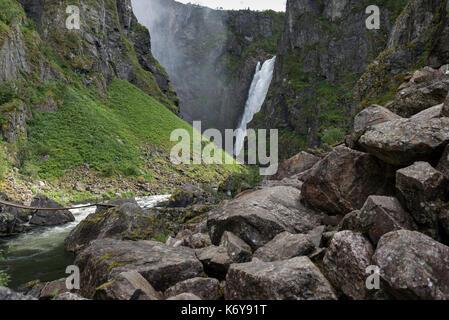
point(278, 5)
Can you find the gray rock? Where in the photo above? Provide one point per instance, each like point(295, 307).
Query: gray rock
point(194, 240)
point(238, 250)
point(381, 215)
point(128, 285)
point(68, 296)
point(351, 222)
point(185, 296)
point(204, 288)
point(341, 182)
point(418, 186)
point(404, 141)
point(294, 279)
point(346, 261)
point(285, 246)
point(53, 288)
point(48, 217)
point(258, 217)
point(160, 265)
point(128, 221)
point(413, 265)
point(372, 115)
point(316, 235)
point(215, 260)
point(430, 113)
point(8, 294)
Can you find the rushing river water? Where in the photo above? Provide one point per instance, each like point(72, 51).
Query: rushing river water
point(40, 253)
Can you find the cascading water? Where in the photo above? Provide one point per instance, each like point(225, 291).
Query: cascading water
point(40, 253)
point(256, 97)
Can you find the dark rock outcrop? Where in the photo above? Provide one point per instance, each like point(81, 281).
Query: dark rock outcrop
point(49, 217)
point(215, 260)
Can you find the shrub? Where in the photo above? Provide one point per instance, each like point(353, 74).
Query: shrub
point(333, 135)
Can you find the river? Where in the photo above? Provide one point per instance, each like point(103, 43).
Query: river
point(40, 254)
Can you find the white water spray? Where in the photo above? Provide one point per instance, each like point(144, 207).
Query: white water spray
point(256, 97)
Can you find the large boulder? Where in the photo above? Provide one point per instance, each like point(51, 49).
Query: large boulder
point(11, 225)
point(404, 141)
point(345, 263)
point(258, 217)
point(413, 265)
point(341, 182)
point(205, 288)
point(299, 163)
point(418, 186)
point(160, 265)
point(381, 215)
point(294, 279)
point(128, 221)
point(49, 217)
point(21, 215)
point(285, 246)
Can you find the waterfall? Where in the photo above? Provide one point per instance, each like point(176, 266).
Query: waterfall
point(256, 97)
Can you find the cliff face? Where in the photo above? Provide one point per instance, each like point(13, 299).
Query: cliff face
point(418, 38)
point(210, 55)
point(324, 49)
point(37, 48)
point(110, 43)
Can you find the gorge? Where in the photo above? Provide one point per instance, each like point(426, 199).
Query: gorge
point(362, 115)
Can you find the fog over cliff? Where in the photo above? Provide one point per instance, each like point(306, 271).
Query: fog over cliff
point(188, 41)
point(210, 55)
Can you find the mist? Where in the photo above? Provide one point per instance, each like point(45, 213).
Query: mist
point(189, 41)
